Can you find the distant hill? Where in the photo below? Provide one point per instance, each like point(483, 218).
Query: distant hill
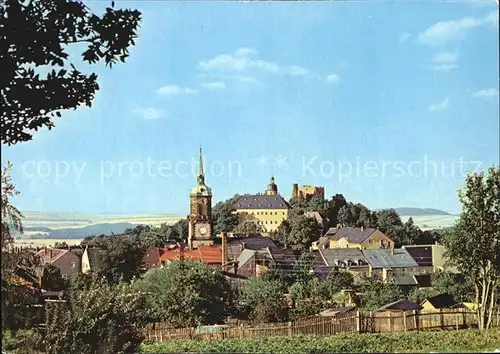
point(81, 232)
point(406, 211)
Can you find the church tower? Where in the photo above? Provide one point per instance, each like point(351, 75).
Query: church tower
point(200, 213)
point(272, 188)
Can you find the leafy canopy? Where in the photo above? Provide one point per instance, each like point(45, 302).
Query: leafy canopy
point(186, 294)
point(39, 78)
point(100, 318)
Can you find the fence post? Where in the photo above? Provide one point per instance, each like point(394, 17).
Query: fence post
point(290, 330)
point(441, 318)
point(390, 322)
point(372, 323)
point(358, 322)
point(417, 320)
point(404, 321)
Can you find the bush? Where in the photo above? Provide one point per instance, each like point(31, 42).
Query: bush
point(450, 341)
point(22, 341)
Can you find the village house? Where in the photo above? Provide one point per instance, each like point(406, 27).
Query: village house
point(354, 237)
point(253, 255)
point(399, 306)
point(256, 262)
point(441, 301)
point(393, 265)
point(211, 255)
point(349, 259)
point(67, 262)
point(90, 259)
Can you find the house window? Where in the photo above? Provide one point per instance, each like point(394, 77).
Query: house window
point(64, 276)
point(73, 264)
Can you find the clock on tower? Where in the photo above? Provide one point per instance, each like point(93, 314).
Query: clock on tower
point(200, 214)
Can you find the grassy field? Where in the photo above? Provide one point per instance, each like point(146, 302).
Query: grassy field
point(427, 222)
point(463, 341)
point(57, 221)
point(45, 242)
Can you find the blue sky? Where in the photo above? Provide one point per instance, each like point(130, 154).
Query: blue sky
point(303, 91)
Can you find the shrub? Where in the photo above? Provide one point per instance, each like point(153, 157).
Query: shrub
point(21, 341)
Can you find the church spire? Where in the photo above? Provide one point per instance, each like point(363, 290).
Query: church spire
point(201, 175)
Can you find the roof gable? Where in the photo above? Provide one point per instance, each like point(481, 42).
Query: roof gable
point(401, 305)
point(384, 258)
point(260, 201)
point(335, 255)
point(442, 301)
point(352, 234)
point(421, 254)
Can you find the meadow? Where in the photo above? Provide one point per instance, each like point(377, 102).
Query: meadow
point(44, 242)
point(449, 341)
point(428, 222)
point(68, 220)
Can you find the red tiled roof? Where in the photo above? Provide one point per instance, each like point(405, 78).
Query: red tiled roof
point(152, 257)
point(205, 254)
point(210, 254)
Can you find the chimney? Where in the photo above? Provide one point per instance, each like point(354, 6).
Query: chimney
point(45, 250)
point(50, 254)
point(295, 191)
point(225, 257)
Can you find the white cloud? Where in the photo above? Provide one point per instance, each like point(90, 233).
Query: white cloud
point(244, 51)
point(332, 78)
point(404, 37)
point(443, 67)
point(217, 85)
point(444, 61)
point(441, 106)
point(169, 90)
point(444, 31)
point(243, 61)
point(149, 113)
point(445, 57)
point(247, 79)
point(486, 93)
point(295, 70)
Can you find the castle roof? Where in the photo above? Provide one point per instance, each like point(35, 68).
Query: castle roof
point(260, 201)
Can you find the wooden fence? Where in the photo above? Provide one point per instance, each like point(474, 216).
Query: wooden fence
point(352, 322)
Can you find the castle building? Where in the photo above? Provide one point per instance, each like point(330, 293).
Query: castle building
point(267, 210)
point(200, 225)
point(306, 192)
